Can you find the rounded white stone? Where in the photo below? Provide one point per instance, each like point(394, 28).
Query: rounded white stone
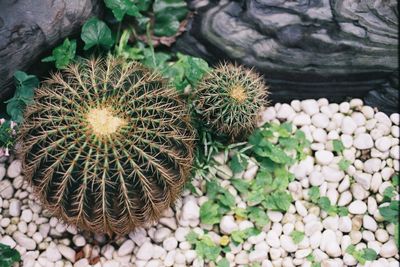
point(273, 239)
point(190, 210)
point(67, 252)
point(14, 169)
point(348, 125)
point(287, 244)
point(363, 141)
point(310, 106)
point(15, 208)
point(275, 216)
point(345, 224)
point(170, 243)
point(285, 111)
point(27, 215)
point(145, 252)
point(302, 119)
point(228, 224)
point(389, 249)
point(369, 223)
point(320, 120)
point(383, 144)
point(324, 157)
point(332, 174)
point(357, 207)
point(161, 234)
point(126, 248)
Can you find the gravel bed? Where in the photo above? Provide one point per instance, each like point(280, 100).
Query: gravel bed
point(371, 146)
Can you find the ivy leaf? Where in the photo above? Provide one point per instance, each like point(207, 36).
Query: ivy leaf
point(238, 163)
point(63, 54)
point(338, 146)
point(369, 254)
point(223, 263)
point(344, 164)
point(96, 33)
point(155, 60)
point(390, 212)
point(241, 185)
point(314, 194)
point(297, 236)
point(258, 216)
point(24, 92)
point(279, 201)
point(121, 7)
point(209, 213)
point(168, 13)
point(8, 256)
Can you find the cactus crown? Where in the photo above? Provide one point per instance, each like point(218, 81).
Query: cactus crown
point(229, 98)
point(107, 145)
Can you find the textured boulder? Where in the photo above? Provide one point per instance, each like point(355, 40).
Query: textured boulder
point(316, 48)
point(30, 27)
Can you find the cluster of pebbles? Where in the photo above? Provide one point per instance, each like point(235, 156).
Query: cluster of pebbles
point(371, 141)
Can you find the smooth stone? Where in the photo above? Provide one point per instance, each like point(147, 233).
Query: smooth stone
point(364, 179)
point(285, 111)
point(389, 249)
point(273, 239)
point(126, 248)
point(320, 120)
point(372, 165)
point(310, 106)
point(275, 216)
point(170, 243)
point(228, 224)
point(161, 234)
point(24, 241)
point(287, 243)
point(357, 207)
point(369, 223)
point(345, 224)
point(14, 169)
point(145, 252)
point(52, 253)
point(332, 174)
point(348, 125)
point(324, 157)
point(383, 144)
point(190, 210)
point(67, 252)
point(363, 141)
point(301, 119)
point(15, 208)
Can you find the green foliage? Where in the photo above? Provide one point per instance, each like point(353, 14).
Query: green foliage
point(223, 263)
point(325, 204)
point(6, 135)
point(96, 33)
point(344, 164)
point(122, 7)
point(204, 246)
point(362, 256)
point(240, 236)
point(8, 256)
point(258, 216)
point(186, 71)
point(297, 236)
point(168, 14)
point(62, 55)
point(220, 201)
point(24, 92)
point(338, 146)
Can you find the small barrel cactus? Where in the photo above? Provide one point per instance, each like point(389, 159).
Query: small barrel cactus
point(107, 145)
point(229, 98)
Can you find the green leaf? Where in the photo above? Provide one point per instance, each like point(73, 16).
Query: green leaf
point(338, 146)
point(209, 213)
point(388, 194)
point(63, 54)
point(223, 263)
point(314, 194)
point(122, 7)
point(168, 13)
point(325, 203)
point(395, 179)
point(238, 163)
point(15, 108)
point(191, 237)
point(342, 211)
point(8, 256)
point(369, 254)
point(155, 60)
point(344, 164)
point(239, 236)
point(241, 185)
point(390, 212)
point(297, 236)
point(279, 201)
point(258, 216)
point(96, 33)
point(206, 248)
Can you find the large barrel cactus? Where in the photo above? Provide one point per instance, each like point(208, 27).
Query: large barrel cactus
point(229, 98)
point(107, 145)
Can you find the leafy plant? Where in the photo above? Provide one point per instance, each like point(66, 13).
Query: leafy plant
point(122, 7)
point(220, 202)
point(168, 14)
point(338, 146)
point(63, 54)
point(344, 164)
point(239, 236)
point(362, 256)
point(96, 33)
point(107, 145)
point(24, 91)
point(8, 256)
point(7, 139)
point(229, 98)
point(204, 246)
point(297, 236)
point(325, 204)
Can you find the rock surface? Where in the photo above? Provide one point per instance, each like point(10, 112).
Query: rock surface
point(306, 49)
point(28, 28)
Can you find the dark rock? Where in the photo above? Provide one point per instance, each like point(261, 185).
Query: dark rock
point(30, 27)
point(306, 48)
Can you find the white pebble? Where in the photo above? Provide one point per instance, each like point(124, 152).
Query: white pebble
point(357, 207)
point(126, 248)
point(14, 169)
point(363, 141)
point(310, 106)
point(228, 224)
point(145, 252)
